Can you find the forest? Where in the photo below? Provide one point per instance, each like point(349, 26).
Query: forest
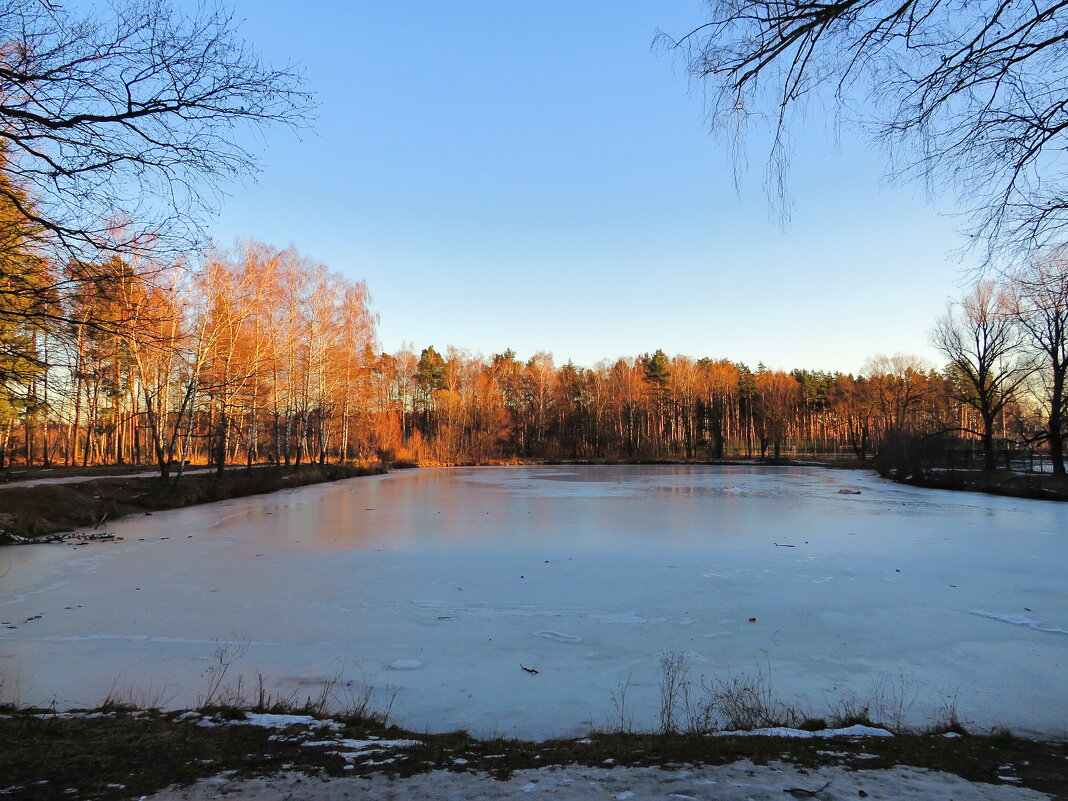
point(261, 355)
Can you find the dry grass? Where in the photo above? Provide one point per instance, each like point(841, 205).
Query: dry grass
point(746, 701)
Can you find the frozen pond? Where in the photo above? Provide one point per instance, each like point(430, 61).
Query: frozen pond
point(435, 586)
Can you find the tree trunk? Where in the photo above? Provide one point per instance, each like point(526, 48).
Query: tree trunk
point(1056, 425)
point(989, 458)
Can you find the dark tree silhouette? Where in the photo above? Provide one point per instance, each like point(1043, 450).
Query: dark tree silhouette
point(981, 340)
point(969, 94)
point(1040, 305)
point(120, 126)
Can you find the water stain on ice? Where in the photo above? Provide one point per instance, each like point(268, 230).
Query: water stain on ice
point(745, 573)
point(493, 610)
point(556, 636)
point(1020, 620)
point(17, 599)
point(405, 664)
point(150, 638)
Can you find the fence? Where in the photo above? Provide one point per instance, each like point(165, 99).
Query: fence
point(1018, 460)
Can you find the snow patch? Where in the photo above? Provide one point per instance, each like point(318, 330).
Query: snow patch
point(269, 721)
point(782, 731)
point(364, 745)
point(736, 782)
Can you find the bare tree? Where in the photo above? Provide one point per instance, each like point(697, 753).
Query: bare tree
point(982, 342)
point(1040, 304)
point(775, 401)
point(121, 125)
point(897, 384)
point(968, 94)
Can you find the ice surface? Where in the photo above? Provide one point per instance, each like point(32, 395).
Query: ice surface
point(584, 574)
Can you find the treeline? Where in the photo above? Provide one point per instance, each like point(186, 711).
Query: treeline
point(1003, 386)
point(255, 356)
point(260, 355)
point(462, 407)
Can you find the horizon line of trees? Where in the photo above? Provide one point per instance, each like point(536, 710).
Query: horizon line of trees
point(468, 408)
point(260, 355)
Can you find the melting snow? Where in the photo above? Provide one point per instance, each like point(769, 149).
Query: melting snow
point(364, 745)
point(741, 781)
point(781, 731)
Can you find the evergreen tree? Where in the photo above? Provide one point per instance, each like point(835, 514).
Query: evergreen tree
point(431, 374)
point(657, 370)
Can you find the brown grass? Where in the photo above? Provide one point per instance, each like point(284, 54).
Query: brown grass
point(125, 754)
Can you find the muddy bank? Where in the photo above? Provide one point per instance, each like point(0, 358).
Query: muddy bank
point(48, 509)
point(1036, 486)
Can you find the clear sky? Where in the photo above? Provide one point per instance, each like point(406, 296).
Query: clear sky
point(530, 174)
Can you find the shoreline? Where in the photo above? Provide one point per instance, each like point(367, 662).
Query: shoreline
point(1031, 486)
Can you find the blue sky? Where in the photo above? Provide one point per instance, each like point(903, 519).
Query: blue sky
point(532, 175)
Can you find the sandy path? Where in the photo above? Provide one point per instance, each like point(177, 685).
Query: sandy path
point(33, 482)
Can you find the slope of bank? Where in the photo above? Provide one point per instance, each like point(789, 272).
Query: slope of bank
point(116, 753)
point(1036, 486)
point(43, 510)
